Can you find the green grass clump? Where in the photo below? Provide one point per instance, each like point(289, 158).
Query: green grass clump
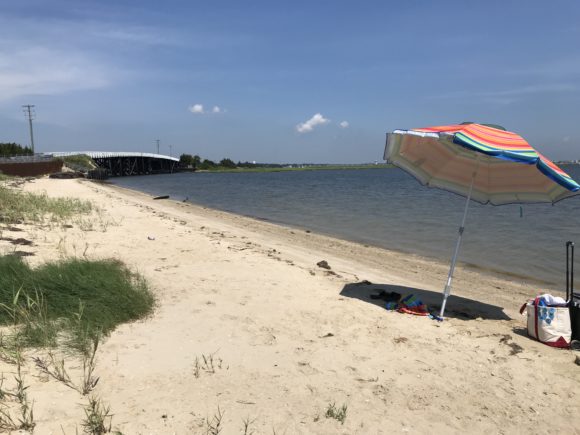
point(98, 417)
point(4, 177)
point(337, 413)
point(17, 206)
point(80, 298)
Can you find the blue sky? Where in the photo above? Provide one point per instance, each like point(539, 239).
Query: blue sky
point(273, 81)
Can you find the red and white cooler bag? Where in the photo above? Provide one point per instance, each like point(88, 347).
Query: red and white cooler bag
point(549, 324)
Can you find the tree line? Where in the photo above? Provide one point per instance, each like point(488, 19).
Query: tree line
point(10, 149)
point(196, 162)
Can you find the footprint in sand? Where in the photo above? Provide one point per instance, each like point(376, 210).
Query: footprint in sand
point(417, 402)
point(382, 392)
point(265, 336)
point(305, 368)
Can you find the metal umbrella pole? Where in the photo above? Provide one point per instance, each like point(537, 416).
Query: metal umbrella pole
point(447, 290)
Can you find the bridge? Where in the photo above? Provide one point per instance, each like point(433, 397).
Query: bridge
point(119, 164)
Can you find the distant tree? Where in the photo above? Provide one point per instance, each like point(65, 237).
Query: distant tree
point(186, 160)
point(14, 149)
point(190, 161)
point(227, 163)
point(207, 164)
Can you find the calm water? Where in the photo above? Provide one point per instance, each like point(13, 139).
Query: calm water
point(388, 208)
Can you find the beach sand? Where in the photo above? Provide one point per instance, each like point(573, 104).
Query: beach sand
point(289, 338)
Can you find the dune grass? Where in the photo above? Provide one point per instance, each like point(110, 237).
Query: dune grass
point(80, 162)
point(77, 299)
point(17, 206)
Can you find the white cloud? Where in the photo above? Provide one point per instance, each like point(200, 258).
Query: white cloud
point(196, 108)
point(344, 124)
point(309, 125)
point(44, 71)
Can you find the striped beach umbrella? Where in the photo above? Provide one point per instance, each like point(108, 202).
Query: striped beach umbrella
point(481, 162)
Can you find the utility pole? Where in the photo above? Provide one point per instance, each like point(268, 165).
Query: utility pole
point(170, 147)
point(157, 146)
point(29, 112)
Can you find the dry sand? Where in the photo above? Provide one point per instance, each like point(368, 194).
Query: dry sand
point(288, 338)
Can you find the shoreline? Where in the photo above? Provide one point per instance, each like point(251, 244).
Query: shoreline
point(314, 167)
point(440, 262)
point(431, 237)
point(287, 338)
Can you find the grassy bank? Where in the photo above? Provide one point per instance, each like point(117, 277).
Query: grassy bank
point(17, 206)
point(76, 299)
point(56, 314)
point(80, 162)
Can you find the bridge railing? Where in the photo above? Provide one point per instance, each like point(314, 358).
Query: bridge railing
point(26, 158)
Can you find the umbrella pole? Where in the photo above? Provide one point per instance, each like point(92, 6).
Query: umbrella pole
point(456, 252)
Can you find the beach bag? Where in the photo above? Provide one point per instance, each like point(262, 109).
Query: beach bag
point(549, 324)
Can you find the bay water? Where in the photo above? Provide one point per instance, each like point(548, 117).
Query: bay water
point(390, 209)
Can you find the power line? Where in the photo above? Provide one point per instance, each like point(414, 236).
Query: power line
point(29, 112)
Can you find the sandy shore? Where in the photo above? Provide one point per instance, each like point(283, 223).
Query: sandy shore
point(288, 338)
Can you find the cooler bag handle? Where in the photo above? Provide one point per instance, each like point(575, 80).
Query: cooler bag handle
point(536, 303)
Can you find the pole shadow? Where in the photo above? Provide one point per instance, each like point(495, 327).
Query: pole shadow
point(457, 307)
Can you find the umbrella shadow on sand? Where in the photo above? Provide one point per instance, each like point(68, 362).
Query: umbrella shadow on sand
point(458, 307)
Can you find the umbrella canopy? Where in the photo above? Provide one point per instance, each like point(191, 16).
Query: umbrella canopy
point(483, 163)
point(508, 169)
